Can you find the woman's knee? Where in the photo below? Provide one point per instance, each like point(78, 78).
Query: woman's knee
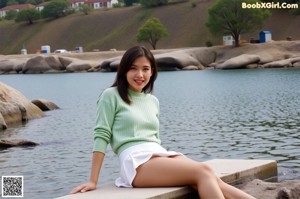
point(204, 170)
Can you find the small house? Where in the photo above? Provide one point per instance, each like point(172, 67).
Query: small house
point(95, 4)
point(41, 6)
point(227, 40)
point(14, 7)
point(265, 36)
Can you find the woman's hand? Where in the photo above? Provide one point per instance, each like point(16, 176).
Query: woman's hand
point(84, 188)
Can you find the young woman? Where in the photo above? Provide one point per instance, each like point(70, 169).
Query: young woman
point(128, 120)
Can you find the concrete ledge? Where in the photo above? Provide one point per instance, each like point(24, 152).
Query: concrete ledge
point(231, 171)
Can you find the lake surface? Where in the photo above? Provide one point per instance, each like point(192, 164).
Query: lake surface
point(247, 114)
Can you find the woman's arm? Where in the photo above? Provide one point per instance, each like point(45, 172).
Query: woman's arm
point(98, 158)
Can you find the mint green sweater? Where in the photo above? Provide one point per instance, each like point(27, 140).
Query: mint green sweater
point(124, 125)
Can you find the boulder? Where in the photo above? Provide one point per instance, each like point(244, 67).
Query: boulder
point(191, 68)
point(2, 122)
point(296, 64)
point(79, 66)
point(114, 65)
point(45, 105)
point(175, 60)
point(107, 66)
point(16, 107)
point(289, 189)
point(36, 65)
point(240, 61)
point(65, 61)
point(251, 66)
point(205, 56)
point(16, 143)
point(11, 65)
point(54, 63)
point(278, 64)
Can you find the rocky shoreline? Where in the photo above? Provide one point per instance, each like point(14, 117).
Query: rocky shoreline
point(274, 54)
point(289, 189)
point(15, 107)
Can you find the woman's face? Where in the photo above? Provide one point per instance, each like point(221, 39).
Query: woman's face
point(139, 74)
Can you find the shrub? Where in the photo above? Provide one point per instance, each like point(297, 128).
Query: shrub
point(208, 43)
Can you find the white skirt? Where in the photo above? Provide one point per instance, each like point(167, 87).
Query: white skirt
point(135, 156)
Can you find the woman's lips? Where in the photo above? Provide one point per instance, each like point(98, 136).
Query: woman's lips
point(139, 82)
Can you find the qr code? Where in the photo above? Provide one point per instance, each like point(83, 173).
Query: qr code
point(12, 186)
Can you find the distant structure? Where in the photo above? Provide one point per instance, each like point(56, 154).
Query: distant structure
point(15, 7)
point(45, 49)
point(265, 36)
point(95, 4)
point(227, 40)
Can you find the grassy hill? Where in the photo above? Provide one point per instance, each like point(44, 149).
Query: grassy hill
point(117, 28)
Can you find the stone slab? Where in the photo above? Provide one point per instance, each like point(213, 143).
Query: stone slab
point(231, 171)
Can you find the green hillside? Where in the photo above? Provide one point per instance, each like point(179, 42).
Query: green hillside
point(117, 28)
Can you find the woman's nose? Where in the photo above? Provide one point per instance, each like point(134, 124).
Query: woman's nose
point(139, 73)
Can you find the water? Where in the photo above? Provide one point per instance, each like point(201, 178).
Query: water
point(247, 114)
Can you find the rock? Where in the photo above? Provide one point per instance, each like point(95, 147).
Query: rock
point(36, 65)
point(289, 189)
point(284, 193)
point(106, 64)
point(16, 143)
point(175, 60)
point(11, 66)
point(296, 64)
point(54, 62)
point(205, 56)
point(251, 66)
point(2, 122)
point(114, 65)
point(16, 107)
point(278, 64)
point(45, 105)
point(65, 61)
point(191, 68)
point(78, 66)
point(240, 61)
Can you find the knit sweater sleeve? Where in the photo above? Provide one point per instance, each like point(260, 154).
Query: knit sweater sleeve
point(104, 121)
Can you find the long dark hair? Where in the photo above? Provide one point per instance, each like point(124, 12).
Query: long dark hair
point(126, 62)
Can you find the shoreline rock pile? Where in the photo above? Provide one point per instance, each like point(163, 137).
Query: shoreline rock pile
point(274, 54)
point(289, 189)
point(15, 107)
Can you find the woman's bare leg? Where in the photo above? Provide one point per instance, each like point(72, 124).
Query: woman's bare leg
point(230, 192)
point(163, 171)
point(183, 173)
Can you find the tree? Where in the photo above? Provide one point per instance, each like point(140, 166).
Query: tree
point(3, 3)
point(130, 2)
point(86, 9)
point(55, 9)
point(12, 2)
point(152, 3)
point(296, 11)
point(152, 31)
point(28, 14)
point(11, 14)
point(228, 17)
